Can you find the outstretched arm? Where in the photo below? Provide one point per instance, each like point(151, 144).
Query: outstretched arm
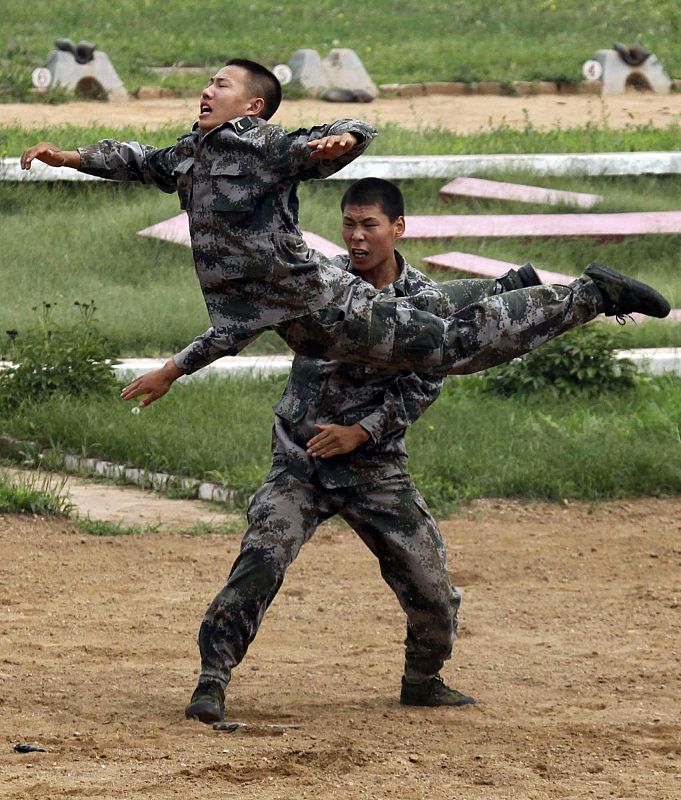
point(320, 151)
point(205, 349)
point(118, 161)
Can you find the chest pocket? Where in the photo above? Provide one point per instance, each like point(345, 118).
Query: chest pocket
point(183, 174)
point(233, 190)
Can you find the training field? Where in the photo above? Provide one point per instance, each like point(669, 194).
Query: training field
point(570, 639)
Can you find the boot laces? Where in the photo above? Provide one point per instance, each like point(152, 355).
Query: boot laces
point(623, 318)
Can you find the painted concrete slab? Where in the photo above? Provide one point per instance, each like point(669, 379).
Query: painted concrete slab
point(501, 190)
point(176, 229)
point(481, 267)
point(404, 167)
point(501, 225)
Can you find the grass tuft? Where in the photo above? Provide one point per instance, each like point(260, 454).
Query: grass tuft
point(42, 494)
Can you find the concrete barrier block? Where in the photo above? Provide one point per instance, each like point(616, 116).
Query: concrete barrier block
point(346, 71)
point(591, 87)
point(618, 76)
point(222, 495)
point(159, 480)
point(487, 87)
point(546, 87)
point(189, 484)
point(453, 88)
point(71, 463)
point(524, 88)
point(411, 90)
point(206, 491)
point(309, 72)
point(97, 75)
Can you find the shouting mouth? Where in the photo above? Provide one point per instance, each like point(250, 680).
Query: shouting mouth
point(359, 256)
point(205, 110)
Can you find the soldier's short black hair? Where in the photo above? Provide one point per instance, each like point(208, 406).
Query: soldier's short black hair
point(370, 191)
point(262, 83)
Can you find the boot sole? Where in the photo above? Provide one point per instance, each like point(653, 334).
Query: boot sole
point(468, 701)
point(653, 304)
point(204, 712)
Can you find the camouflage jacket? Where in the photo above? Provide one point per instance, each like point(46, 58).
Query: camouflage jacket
point(384, 402)
point(238, 185)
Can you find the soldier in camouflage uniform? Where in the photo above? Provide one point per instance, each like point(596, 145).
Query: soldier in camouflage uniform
point(338, 448)
point(237, 177)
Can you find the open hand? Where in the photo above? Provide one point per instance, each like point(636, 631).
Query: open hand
point(330, 147)
point(153, 384)
point(50, 154)
point(335, 440)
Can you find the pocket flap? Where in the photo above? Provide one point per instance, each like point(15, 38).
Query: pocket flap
point(228, 168)
point(184, 166)
point(291, 408)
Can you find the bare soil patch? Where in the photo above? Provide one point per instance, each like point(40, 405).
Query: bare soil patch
point(570, 639)
point(460, 114)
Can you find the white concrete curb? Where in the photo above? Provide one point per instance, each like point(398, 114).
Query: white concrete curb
point(228, 367)
point(654, 361)
point(402, 167)
point(139, 477)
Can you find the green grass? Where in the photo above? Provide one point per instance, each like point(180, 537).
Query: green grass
point(34, 494)
point(595, 136)
point(468, 444)
point(100, 527)
point(398, 41)
point(68, 242)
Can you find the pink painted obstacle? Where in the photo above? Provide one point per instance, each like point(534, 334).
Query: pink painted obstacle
point(497, 190)
point(176, 229)
point(480, 267)
point(495, 225)
point(487, 267)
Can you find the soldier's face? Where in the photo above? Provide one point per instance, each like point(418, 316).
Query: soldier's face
point(226, 97)
point(369, 235)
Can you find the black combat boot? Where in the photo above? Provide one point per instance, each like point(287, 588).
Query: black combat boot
point(519, 278)
point(623, 295)
point(207, 703)
point(433, 692)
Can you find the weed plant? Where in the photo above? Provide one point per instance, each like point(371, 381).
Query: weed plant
point(67, 359)
point(42, 494)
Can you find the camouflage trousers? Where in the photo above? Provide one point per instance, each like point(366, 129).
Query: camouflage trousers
point(390, 517)
point(450, 330)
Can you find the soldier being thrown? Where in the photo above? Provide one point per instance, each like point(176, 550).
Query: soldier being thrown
point(237, 177)
point(338, 448)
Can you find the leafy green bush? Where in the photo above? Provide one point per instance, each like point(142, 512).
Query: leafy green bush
point(72, 359)
point(582, 360)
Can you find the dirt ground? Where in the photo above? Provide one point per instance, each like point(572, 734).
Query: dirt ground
point(460, 114)
point(570, 639)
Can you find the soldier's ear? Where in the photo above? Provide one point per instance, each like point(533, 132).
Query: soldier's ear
point(399, 227)
point(256, 105)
